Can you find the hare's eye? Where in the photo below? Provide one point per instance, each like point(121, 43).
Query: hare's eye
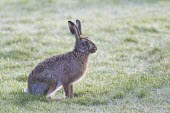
point(86, 43)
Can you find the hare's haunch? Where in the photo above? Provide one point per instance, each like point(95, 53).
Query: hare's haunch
point(62, 70)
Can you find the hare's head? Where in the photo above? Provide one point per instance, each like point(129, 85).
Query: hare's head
point(82, 44)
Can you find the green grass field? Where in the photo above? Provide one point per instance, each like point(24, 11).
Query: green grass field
point(130, 72)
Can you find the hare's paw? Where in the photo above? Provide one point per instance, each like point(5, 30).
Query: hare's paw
point(25, 90)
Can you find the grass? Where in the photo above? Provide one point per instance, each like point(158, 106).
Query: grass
point(129, 73)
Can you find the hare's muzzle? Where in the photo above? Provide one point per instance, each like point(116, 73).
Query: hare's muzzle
point(93, 50)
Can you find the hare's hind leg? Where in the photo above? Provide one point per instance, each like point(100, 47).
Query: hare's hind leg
point(39, 88)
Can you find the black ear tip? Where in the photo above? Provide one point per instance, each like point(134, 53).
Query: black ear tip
point(70, 22)
point(77, 20)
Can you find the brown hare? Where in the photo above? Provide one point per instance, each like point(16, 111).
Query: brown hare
point(62, 70)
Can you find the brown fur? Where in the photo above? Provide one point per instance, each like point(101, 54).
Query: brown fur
point(62, 70)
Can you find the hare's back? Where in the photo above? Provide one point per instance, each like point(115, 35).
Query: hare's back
point(49, 67)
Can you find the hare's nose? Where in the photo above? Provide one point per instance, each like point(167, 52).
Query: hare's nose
point(95, 48)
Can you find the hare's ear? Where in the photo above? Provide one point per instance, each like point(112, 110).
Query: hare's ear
point(78, 23)
point(73, 29)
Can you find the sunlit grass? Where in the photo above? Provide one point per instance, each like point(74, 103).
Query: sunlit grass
point(130, 72)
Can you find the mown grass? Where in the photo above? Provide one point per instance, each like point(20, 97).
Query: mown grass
point(129, 73)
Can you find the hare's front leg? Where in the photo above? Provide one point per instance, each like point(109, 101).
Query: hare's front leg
point(71, 91)
point(68, 90)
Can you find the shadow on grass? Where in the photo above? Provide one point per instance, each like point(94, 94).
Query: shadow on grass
point(87, 100)
point(23, 99)
point(20, 98)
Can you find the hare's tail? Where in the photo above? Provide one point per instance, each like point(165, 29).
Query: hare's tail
point(25, 90)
